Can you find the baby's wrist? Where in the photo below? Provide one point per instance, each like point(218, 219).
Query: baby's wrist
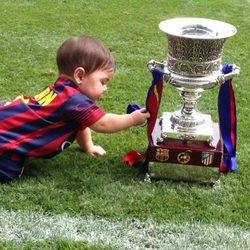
point(132, 119)
point(86, 149)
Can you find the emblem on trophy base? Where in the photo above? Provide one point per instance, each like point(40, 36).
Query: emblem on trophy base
point(186, 144)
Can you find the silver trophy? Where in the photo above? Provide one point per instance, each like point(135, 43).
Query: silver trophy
point(193, 65)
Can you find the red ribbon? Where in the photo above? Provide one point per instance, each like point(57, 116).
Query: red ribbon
point(152, 105)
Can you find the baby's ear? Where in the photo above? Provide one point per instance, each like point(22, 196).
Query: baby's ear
point(79, 74)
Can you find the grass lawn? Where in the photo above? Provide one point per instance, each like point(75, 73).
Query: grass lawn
point(76, 185)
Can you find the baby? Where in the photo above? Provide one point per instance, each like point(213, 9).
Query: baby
point(44, 125)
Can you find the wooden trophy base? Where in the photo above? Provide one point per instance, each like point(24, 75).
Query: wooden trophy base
point(179, 160)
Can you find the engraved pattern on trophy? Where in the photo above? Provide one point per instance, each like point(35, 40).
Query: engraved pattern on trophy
point(193, 57)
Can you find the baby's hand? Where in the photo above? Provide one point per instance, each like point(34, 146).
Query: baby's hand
point(140, 116)
point(95, 151)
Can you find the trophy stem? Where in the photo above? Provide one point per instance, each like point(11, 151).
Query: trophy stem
point(187, 117)
point(189, 101)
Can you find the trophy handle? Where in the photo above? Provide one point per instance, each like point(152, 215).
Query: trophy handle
point(224, 77)
point(152, 64)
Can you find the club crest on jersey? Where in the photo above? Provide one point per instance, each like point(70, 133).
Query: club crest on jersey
point(162, 154)
point(207, 158)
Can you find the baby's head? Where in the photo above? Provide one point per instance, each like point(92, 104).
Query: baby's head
point(85, 52)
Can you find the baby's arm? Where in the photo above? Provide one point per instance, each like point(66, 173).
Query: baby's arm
point(85, 142)
point(111, 123)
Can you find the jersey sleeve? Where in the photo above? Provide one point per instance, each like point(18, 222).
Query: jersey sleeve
point(81, 110)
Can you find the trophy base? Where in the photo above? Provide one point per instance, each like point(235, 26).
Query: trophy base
point(188, 173)
point(202, 132)
point(181, 160)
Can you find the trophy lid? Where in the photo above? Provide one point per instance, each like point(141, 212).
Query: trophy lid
point(197, 28)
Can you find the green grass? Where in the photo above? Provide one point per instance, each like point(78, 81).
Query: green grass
point(75, 184)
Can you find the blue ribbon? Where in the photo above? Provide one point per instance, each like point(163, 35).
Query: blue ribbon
point(228, 122)
point(133, 107)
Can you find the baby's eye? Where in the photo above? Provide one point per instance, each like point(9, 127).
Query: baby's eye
point(104, 82)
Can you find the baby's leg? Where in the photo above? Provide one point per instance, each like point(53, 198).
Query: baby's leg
point(11, 166)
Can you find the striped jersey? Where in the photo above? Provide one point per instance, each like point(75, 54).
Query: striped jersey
point(46, 124)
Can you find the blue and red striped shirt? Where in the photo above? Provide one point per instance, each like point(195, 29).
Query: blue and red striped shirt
point(46, 124)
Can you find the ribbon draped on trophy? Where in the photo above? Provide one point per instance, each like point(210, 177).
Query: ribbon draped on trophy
point(187, 145)
point(152, 105)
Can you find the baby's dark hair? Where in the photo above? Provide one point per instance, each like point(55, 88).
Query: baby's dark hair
point(86, 52)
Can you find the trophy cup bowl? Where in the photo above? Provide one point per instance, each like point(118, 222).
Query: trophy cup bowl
point(193, 64)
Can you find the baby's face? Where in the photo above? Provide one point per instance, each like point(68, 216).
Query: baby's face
point(95, 84)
